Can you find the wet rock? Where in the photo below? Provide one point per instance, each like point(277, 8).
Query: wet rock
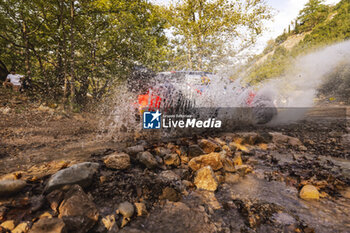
point(220, 141)
point(141, 209)
point(309, 192)
point(169, 176)
point(3, 211)
point(109, 222)
point(212, 159)
point(162, 151)
point(103, 179)
point(345, 141)
point(172, 159)
point(187, 183)
point(77, 208)
point(242, 170)
point(49, 225)
point(231, 178)
point(21, 228)
point(54, 199)
point(170, 194)
point(36, 203)
point(228, 165)
point(9, 225)
point(11, 187)
point(279, 138)
point(237, 160)
point(119, 161)
point(77, 224)
point(126, 209)
point(159, 159)
point(194, 151)
point(295, 142)
point(184, 159)
point(134, 150)
point(206, 179)
point(11, 176)
point(226, 148)
point(147, 159)
point(209, 146)
point(232, 146)
point(220, 178)
point(346, 193)
point(249, 138)
point(252, 161)
point(45, 215)
point(80, 174)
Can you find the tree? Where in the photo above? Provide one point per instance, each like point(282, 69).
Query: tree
point(71, 48)
point(313, 13)
point(208, 31)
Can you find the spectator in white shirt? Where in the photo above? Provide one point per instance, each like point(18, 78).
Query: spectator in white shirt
point(13, 80)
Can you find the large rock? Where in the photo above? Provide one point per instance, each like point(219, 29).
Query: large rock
point(212, 159)
point(195, 150)
point(10, 187)
point(232, 178)
point(170, 194)
point(206, 179)
point(172, 159)
point(54, 199)
point(49, 225)
point(21, 228)
point(169, 176)
point(77, 210)
point(147, 159)
point(162, 151)
point(134, 150)
point(228, 165)
point(9, 225)
point(279, 138)
point(345, 141)
point(209, 146)
point(141, 209)
point(126, 209)
point(249, 138)
point(118, 161)
point(237, 160)
point(309, 192)
point(81, 174)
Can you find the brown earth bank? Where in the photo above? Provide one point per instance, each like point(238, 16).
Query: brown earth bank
point(60, 174)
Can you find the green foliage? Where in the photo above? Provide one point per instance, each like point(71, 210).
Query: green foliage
point(313, 13)
point(80, 47)
point(282, 38)
point(324, 25)
point(207, 31)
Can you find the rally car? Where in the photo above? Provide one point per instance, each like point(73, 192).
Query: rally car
point(183, 92)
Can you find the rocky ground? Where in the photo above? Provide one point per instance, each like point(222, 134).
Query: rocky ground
point(58, 175)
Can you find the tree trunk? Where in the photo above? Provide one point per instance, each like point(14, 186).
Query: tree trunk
point(27, 50)
point(63, 51)
point(72, 54)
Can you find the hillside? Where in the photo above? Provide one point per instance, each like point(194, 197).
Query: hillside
point(317, 25)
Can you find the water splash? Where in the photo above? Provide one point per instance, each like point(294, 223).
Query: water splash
point(180, 94)
point(298, 88)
